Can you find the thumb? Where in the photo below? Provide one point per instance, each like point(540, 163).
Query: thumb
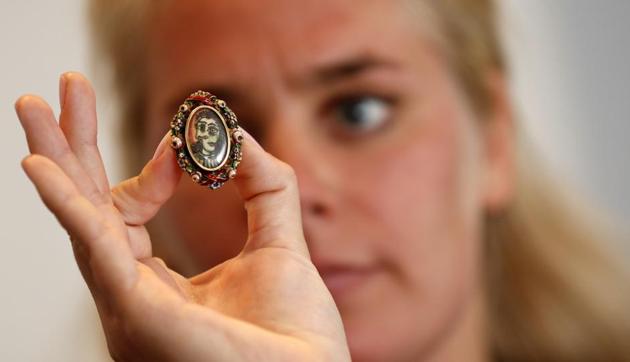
point(269, 189)
point(139, 198)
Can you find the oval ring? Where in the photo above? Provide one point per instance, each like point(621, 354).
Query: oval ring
point(207, 139)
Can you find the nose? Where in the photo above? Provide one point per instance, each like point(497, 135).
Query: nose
point(290, 142)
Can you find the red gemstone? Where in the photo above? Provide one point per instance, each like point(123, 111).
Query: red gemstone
point(202, 99)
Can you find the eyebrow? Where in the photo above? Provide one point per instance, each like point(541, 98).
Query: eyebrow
point(348, 68)
point(322, 74)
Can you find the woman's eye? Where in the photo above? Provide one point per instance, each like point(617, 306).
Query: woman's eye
point(363, 114)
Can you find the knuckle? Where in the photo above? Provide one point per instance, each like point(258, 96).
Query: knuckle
point(65, 199)
point(145, 190)
point(97, 197)
point(287, 172)
point(62, 153)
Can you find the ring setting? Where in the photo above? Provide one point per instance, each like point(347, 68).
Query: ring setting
point(207, 139)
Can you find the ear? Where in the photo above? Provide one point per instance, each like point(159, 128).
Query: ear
point(499, 138)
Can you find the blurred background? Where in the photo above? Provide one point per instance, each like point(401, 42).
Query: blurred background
point(571, 84)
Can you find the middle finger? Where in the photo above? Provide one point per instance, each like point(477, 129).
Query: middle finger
point(78, 123)
point(44, 137)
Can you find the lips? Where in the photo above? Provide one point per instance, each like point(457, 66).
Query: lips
point(342, 281)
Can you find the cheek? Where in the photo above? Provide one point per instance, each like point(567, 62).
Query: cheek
point(438, 228)
point(424, 227)
point(436, 260)
point(425, 196)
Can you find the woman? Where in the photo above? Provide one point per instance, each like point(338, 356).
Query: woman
point(399, 172)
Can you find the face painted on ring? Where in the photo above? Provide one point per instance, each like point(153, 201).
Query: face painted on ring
point(206, 134)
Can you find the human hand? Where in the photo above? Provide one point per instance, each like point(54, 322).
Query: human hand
point(268, 303)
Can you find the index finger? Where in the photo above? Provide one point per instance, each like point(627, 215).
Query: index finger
point(108, 253)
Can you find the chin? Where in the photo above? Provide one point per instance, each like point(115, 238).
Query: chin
point(371, 334)
point(367, 344)
point(387, 327)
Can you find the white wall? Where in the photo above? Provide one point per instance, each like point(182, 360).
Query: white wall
point(571, 82)
point(46, 310)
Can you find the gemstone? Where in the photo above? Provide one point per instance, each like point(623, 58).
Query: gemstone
point(176, 143)
point(238, 135)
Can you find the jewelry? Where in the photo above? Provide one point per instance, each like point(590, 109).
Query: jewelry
point(207, 139)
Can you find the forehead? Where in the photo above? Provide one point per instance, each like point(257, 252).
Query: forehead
point(205, 118)
point(307, 25)
point(235, 40)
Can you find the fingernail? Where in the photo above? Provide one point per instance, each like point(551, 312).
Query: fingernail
point(62, 90)
point(162, 146)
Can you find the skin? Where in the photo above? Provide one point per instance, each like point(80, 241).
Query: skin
point(268, 317)
point(392, 214)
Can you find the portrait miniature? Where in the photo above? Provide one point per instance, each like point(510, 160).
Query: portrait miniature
point(206, 138)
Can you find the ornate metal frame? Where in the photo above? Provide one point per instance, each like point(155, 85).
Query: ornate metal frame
point(216, 177)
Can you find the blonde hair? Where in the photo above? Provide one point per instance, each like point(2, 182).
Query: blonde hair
point(557, 287)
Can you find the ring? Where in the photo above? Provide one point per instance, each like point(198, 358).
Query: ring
point(207, 139)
